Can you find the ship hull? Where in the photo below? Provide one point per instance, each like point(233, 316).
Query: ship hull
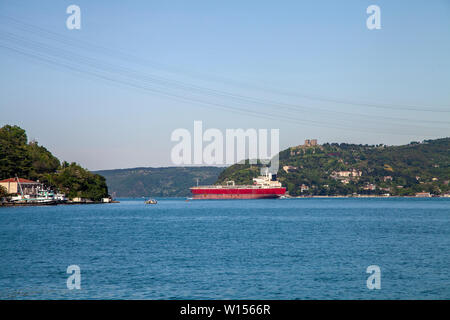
point(237, 193)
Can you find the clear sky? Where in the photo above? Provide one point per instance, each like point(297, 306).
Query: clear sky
point(110, 94)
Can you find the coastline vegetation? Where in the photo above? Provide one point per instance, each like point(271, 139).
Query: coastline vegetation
point(3, 192)
point(29, 160)
point(373, 169)
point(330, 169)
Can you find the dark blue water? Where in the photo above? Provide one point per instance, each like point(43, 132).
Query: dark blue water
point(258, 249)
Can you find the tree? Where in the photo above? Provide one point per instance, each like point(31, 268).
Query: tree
point(14, 155)
point(76, 181)
point(3, 192)
point(42, 160)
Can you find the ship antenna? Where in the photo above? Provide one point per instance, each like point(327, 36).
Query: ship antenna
point(197, 182)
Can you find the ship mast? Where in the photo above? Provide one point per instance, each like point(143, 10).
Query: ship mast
point(20, 186)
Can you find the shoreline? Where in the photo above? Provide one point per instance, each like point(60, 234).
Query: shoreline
point(365, 196)
point(12, 204)
point(33, 204)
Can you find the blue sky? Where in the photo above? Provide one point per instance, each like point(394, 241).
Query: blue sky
point(311, 69)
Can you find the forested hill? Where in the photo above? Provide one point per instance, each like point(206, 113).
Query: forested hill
point(29, 160)
point(328, 169)
point(158, 182)
point(345, 169)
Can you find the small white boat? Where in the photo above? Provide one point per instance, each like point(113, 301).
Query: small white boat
point(151, 201)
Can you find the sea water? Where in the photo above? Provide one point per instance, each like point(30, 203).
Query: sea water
point(228, 249)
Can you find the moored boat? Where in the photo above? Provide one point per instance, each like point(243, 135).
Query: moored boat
point(40, 197)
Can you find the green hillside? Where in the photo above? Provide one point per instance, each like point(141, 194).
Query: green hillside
point(29, 160)
point(304, 170)
point(397, 170)
point(158, 182)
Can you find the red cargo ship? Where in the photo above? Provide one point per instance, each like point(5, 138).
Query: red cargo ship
point(264, 187)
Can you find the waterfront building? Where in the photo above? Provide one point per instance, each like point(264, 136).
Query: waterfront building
point(423, 195)
point(29, 187)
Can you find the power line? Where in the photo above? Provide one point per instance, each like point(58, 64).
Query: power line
point(70, 60)
point(83, 43)
point(186, 86)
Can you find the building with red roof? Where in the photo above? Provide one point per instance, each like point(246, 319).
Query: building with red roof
point(28, 186)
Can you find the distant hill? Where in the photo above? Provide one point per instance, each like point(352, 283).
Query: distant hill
point(345, 169)
point(327, 169)
point(158, 182)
